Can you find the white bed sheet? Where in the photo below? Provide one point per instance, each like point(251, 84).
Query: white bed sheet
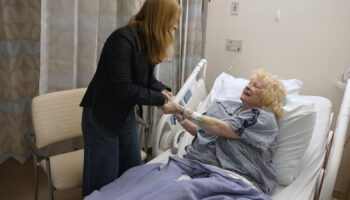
point(304, 185)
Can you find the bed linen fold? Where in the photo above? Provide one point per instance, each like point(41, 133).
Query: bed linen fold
point(179, 179)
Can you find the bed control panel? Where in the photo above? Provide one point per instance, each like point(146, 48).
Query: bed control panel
point(187, 96)
point(172, 120)
point(185, 99)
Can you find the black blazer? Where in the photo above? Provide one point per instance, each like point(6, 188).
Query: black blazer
point(124, 78)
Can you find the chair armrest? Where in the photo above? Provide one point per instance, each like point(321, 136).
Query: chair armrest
point(139, 119)
point(40, 156)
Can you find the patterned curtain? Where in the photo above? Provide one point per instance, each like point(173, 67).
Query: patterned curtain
point(19, 73)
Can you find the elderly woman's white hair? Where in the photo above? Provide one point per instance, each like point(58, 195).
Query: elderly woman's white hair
point(273, 91)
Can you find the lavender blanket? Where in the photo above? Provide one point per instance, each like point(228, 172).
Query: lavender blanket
point(179, 179)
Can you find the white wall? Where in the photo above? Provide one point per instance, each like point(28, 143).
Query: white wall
point(311, 42)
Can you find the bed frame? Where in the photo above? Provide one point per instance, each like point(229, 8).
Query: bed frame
point(335, 148)
point(168, 133)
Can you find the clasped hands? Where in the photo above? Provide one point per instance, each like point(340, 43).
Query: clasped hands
point(181, 113)
point(170, 106)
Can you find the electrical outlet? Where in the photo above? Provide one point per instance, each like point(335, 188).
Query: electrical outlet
point(234, 8)
point(233, 45)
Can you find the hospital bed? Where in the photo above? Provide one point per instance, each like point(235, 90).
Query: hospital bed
point(318, 166)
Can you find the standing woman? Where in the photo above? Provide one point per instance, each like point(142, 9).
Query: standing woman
point(124, 78)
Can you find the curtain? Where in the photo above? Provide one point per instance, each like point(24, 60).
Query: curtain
point(73, 34)
point(74, 31)
point(190, 37)
point(19, 74)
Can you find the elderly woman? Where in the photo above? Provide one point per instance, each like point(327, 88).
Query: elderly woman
point(239, 136)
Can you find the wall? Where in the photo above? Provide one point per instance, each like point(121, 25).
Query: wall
point(310, 42)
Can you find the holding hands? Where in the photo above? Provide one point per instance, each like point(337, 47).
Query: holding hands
point(188, 119)
point(170, 106)
point(181, 113)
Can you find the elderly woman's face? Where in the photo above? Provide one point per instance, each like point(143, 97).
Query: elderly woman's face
point(251, 95)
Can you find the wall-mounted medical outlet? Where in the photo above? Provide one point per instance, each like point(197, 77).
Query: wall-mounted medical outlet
point(234, 8)
point(233, 45)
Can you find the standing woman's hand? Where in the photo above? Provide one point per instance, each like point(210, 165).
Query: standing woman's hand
point(168, 95)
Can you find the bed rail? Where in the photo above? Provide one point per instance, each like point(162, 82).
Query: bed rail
point(190, 95)
point(336, 151)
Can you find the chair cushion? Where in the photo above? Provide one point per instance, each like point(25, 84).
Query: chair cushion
point(66, 169)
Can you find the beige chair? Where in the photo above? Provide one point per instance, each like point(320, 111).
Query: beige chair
point(57, 117)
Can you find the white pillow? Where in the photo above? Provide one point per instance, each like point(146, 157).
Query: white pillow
point(229, 87)
point(295, 131)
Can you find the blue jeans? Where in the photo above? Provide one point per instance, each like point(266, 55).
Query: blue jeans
point(107, 154)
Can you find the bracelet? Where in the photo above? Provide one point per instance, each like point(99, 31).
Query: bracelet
point(195, 117)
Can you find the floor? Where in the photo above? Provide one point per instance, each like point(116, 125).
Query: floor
point(17, 183)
